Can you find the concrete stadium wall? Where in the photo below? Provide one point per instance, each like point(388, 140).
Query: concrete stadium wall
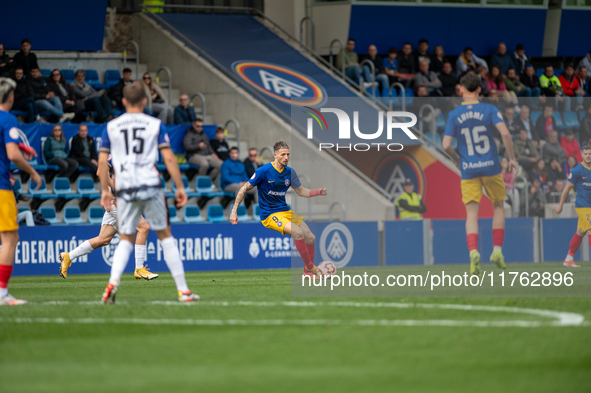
point(259, 126)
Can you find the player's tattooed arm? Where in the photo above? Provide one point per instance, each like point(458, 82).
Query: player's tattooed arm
point(239, 198)
point(307, 193)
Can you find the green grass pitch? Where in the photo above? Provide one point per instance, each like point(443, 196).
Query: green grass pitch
point(249, 335)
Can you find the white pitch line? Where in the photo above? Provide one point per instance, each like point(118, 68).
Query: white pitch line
point(562, 318)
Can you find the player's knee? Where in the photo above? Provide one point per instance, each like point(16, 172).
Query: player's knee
point(297, 233)
point(143, 228)
point(310, 238)
point(103, 241)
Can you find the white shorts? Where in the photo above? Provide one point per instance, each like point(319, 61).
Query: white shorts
point(154, 211)
point(110, 217)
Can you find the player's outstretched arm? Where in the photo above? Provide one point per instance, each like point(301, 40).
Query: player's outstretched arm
point(563, 196)
point(306, 193)
point(15, 155)
point(239, 198)
point(508, 142)
point(446, 144)
point(173, 169)
point(103, 174)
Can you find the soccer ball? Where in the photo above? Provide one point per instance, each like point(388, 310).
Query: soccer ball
point(327, 268)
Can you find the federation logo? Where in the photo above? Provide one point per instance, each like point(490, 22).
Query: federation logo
point(336, 244)
point(14, 133)
point(281, 83)
point(392, 170)
point(287, 182)
point(254, 248)
point(109, 250)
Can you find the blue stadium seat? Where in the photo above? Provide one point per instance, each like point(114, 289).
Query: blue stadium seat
point(92, 78)
point(558, 71)
point(215, 213)
point(95, 214)
point(409, 96)
point(256, 212)
point(61, 186)
point(204, 187)
point(72, 215)
point(69, 75)
point(17, 185)
point(49, 214)
point(192, 214)
point(86, 187)
point(172, 214)
point(112, 77)
point(559, 123)
point(23, 208)
point(534, 116)
point(440, 122)
point(581, 114)
point(242, 215)
point(539, 71)
point(41, 191)
point(45, 73)
point(570, 120)
point(190, 193)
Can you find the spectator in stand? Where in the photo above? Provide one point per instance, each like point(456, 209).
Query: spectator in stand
point(380, 77)
point(570, 85)
point(520, 60)
point(90, 99)
point(585, 62)
point(157, 101)
point(555, 171)
point(25, 58)
point(513, 84)
point(511, 192)
point(571, 146)
point(390, 66)
point(184, 113)
point(421, 54)
point(116, 92)
point(428, 79)
point(58, 86)
point(524, 121)
point(512, 123)
point(5, 62)
point(233, 175)
point(54, 151)
point(406, 64)
point(556, 192)
point(438, 59)
point(571, 162)
point(546, 122)
point(252, 162)
point(551, 86)
point(539, 172)
point(199, 151)
point(410, 204)
point(23, 96)
point(219, 145)
point(448, 80)
point(430, 118)
point(585, 128)
point(525, 151)
point(468, 61)
point(83, 150)
point(583, 80)
point(482, 73)
point(502, 59)
point(496, 81)
point(456, 98)
point(553, 149)
point(352, 70)
point(537, 199)
point(45, 99)
point(531, 80)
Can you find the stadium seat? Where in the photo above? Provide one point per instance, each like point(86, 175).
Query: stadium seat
point(172, 214)
point(17, 185)
point(409, 93)
point(72, 215)
point(69, 75)
point(61, 186)
point(95, 214)
point(570, 120)
point(192, 214)
point(190, 193)
point(86, 187)
point(440, 122)
point(241, 213)
point(559, 123)
point(49, 214)
point(204, 187)
point(215, 213)
point(41, 191)
point(256, 212)
point(23, 208)
point(534, 116)
point(92, 78)
point(112, 77)
point(581, 114)
point(45, 73)
point(539, 71)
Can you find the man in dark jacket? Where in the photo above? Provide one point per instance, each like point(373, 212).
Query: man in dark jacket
point(520, 60)
point(219, 145)
point(448, 80)
point(83, 150)
point(184, 113)
point(380, 77)
point(421, 53)
point(116, 92)
point(25, 58)
point(502, 59)
point(23, 96)
point(252, 162)
point(200, 153)
point(406, 64)
point(44, 99)
point(546, 122)
point(5, 62)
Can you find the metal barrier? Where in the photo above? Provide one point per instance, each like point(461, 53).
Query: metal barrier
point(164, 68)
point(313, 37)
point(336, 40)
point(137, 57)
point(264, 149)
point(373, 75)
point(521, 177)
point(342, 209)
point(203, 108)
point(434, 127)
point(237, 125)
point(402, 92)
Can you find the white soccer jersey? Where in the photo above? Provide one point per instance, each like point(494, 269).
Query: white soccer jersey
point(133, 139)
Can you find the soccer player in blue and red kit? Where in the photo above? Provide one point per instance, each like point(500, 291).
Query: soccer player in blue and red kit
point(272, 182)
point(10, 138)
point(472, 124)
point(579, 179)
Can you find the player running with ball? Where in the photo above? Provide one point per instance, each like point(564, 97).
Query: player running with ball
point(579, 179)
point(272, 182)
point(472, 124)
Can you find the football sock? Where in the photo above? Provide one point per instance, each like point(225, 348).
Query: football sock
point(81, 250)
point(575, 243)
point(498, 238)
point(472, 239)
point(311, 252)
point(172, 257)
point(303, 250)
point(140, 255)
point(5, 273)
point(120, 259)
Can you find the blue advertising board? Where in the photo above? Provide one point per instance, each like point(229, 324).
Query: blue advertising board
point(403, 241)
point(556, 236)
